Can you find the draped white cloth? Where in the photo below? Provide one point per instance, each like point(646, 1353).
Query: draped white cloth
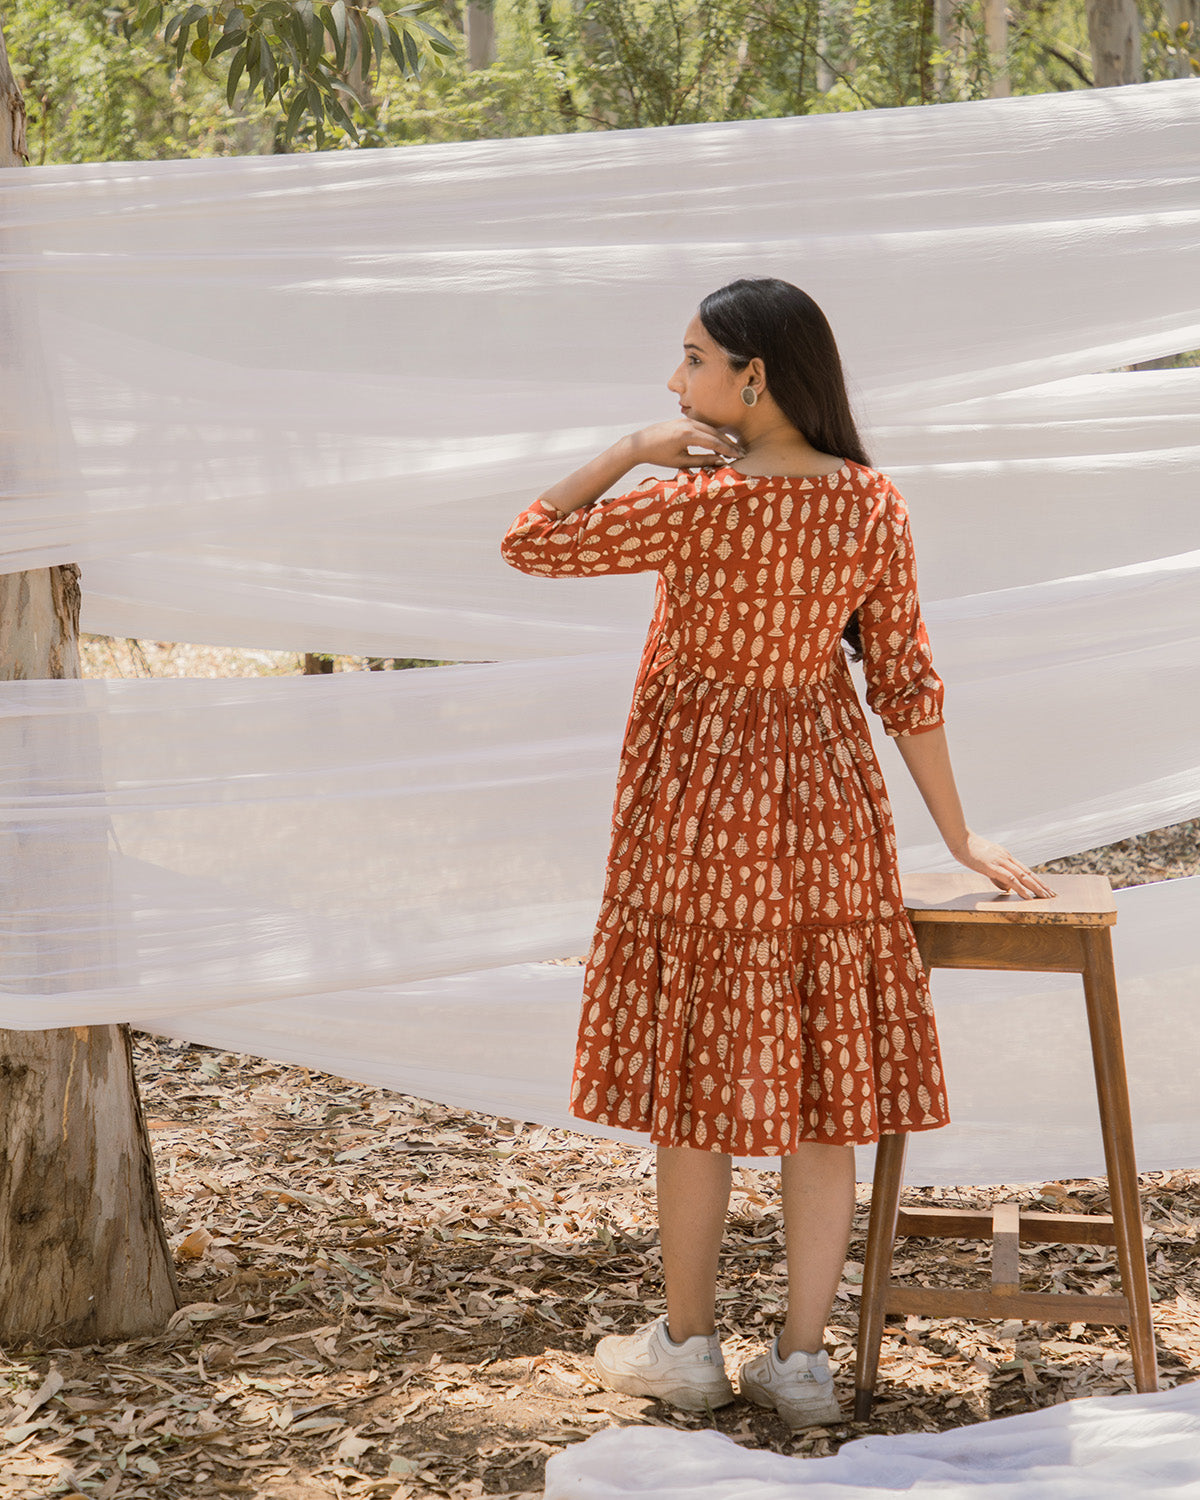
point(294, 403)
point(1015, 1049)
point(298, 398)
point(1104, 1449)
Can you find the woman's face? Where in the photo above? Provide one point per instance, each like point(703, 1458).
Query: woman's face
point(708, 387)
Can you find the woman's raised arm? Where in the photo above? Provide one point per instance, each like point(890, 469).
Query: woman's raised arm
point(664, 443)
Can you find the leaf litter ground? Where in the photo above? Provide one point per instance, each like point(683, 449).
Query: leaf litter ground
point(385, 1297)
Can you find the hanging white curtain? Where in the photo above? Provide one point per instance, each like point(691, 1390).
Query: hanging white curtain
point(258, 838)
point(291, 401)
point(294, 403)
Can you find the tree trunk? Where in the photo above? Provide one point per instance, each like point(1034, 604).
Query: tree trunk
point(995, 21)
point(1116, 38)
point(83, 1255)
point(944, 35)
point(480, 27)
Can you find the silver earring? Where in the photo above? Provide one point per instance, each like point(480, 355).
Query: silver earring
point(749, 396)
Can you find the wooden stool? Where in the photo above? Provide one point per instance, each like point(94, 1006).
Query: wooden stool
point(963, 922)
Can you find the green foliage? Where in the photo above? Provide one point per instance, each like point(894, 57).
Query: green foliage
point(318, 62)
point(109, 79)
point(879, 55)
point(1170, 48)
point(521, 93)
point(92, 95)
point(1050, 51)
point(518, 95)
point(1048, 46)
point(616, 64)
point(499, 102)
point(660, 62)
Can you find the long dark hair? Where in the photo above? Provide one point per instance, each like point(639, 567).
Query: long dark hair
point(776, 322)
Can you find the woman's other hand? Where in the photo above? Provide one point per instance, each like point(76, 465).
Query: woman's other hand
point(670, 443)
point(1001, 868)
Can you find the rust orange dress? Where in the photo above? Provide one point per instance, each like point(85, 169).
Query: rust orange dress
point(754, 980)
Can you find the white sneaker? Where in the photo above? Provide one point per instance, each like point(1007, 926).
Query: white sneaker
point(799, 1388)
point(690, 1375)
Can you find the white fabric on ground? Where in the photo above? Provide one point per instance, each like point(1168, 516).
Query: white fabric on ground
point(1107, 1448)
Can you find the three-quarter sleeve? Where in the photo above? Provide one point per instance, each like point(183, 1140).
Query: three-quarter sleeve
point(627, 534)
point(902, 686)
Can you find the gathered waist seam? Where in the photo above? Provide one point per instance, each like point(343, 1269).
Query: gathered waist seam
point(668, 660)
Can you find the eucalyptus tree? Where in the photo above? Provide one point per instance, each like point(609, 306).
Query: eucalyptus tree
point(1115, 31)
point(315, 61)
point(83, 1256)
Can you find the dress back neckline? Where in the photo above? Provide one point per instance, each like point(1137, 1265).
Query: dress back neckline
point(779, 478)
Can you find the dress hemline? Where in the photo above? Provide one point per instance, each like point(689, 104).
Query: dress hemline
point(750, 1153)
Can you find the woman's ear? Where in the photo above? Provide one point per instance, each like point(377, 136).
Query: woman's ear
point(755, 374)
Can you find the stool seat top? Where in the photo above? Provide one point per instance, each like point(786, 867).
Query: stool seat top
point(963, 896)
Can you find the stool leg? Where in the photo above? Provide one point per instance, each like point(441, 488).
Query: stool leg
point(877, 1269)
point(1112, 1092)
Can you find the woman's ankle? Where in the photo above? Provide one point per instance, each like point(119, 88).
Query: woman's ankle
point(787, 1345)
point(679, 1332)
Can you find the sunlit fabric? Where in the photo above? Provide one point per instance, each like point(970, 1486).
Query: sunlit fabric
point(1015, 1047)
point(1104, 1449)
point(292, 401)
point(295, 402)
point(332, 868)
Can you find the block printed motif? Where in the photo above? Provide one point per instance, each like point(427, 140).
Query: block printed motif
point(754, 980)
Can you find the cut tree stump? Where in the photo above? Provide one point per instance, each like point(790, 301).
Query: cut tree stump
point(83, 1256)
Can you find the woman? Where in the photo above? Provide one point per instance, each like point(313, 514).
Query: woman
point(753, 986)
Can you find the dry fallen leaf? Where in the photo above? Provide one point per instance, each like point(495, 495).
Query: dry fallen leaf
point(193, 1246)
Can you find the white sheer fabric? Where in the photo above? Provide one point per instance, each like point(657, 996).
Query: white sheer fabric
point(358, 866)
point(299, 397)
point(1104, 1449)
point(1015, 1048)
point(299, 835)
point(1086, 474)
point(294, 403)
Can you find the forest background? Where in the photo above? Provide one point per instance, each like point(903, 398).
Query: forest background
point(97, 88)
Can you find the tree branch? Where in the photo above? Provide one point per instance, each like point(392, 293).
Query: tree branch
point(1067, 62)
